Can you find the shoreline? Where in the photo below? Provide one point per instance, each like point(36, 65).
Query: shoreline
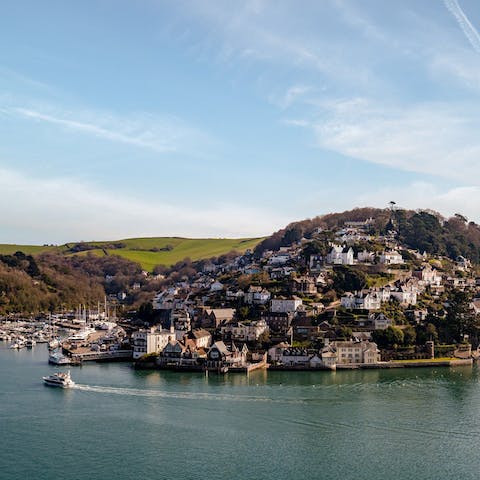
point(459, 362)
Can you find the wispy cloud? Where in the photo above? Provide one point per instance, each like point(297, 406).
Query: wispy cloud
point(87, 212)
point(468, 29)
point(257, 31)
point(161, 134)
point(144, 139)
point(433, 138)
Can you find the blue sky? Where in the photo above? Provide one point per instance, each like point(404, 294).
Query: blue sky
point(143, 118)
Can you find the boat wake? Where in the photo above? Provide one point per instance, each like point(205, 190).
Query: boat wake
point(137, 392)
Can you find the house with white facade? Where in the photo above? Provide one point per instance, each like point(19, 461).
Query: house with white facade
point(363, 300)
point(365, 257)
point(428, 276)
point(181, 322)
point(200, 337)
point(233, 295)
point(280, 258)
point(151, 340)
point(351, 352)
point(285, 305)
point(380, 321)
point(340, 255)
point(257, 295)
point(391, 258)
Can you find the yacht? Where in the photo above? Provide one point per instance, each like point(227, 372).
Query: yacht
point(58, 358)
point(18, 345)
point(60, 379)
point(53, 344)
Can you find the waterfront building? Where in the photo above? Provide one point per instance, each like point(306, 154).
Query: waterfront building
point(351, 352)
point(220, 356)
point(151, 340)
point(200, 337)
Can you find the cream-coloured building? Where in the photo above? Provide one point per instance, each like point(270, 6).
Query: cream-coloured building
point(349, 352)
point(151, 340)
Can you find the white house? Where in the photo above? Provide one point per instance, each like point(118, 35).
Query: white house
point(152, 340)
point(257, 295)
point(233, 295)
point(380, 321)
point(428, 276)
point(364, 300)
point(279, 259)
point(180, 320)
point(340, 255)
point(391, 258)
point(285, 305)
point(201, 337)
point(405, 295)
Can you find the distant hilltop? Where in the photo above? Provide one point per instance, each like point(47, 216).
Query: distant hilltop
point(422, 230)
point(148, 252)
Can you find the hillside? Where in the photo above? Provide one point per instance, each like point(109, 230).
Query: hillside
point(148, 252)
point(422, 230)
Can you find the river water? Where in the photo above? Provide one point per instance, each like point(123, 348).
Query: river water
point(119, 423)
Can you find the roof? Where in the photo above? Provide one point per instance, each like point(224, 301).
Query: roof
point(221, 312)
point(200, 333)
point(220, 346)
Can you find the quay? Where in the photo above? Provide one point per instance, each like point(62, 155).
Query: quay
point(81, 355)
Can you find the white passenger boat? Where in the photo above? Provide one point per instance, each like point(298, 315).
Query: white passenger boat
point(60, 379)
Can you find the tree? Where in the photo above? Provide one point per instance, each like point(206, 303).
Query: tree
point(460, 320)
point(409, 336)
point(388, 338)
point(347, 279)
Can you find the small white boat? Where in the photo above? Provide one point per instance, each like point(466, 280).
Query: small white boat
point(60, 379)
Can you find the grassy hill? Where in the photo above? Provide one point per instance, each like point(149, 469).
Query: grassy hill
point(150, 251)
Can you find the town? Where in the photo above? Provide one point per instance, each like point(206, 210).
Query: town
point(347, 297)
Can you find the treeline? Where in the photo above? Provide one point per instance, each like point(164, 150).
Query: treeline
point(53, 281)
point(430, 232)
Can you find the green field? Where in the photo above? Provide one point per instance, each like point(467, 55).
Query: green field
point(10, 249)
point(139, 249)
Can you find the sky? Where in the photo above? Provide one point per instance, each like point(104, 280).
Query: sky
point(231, 119)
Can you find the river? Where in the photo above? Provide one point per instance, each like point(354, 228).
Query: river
point(125, 424)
